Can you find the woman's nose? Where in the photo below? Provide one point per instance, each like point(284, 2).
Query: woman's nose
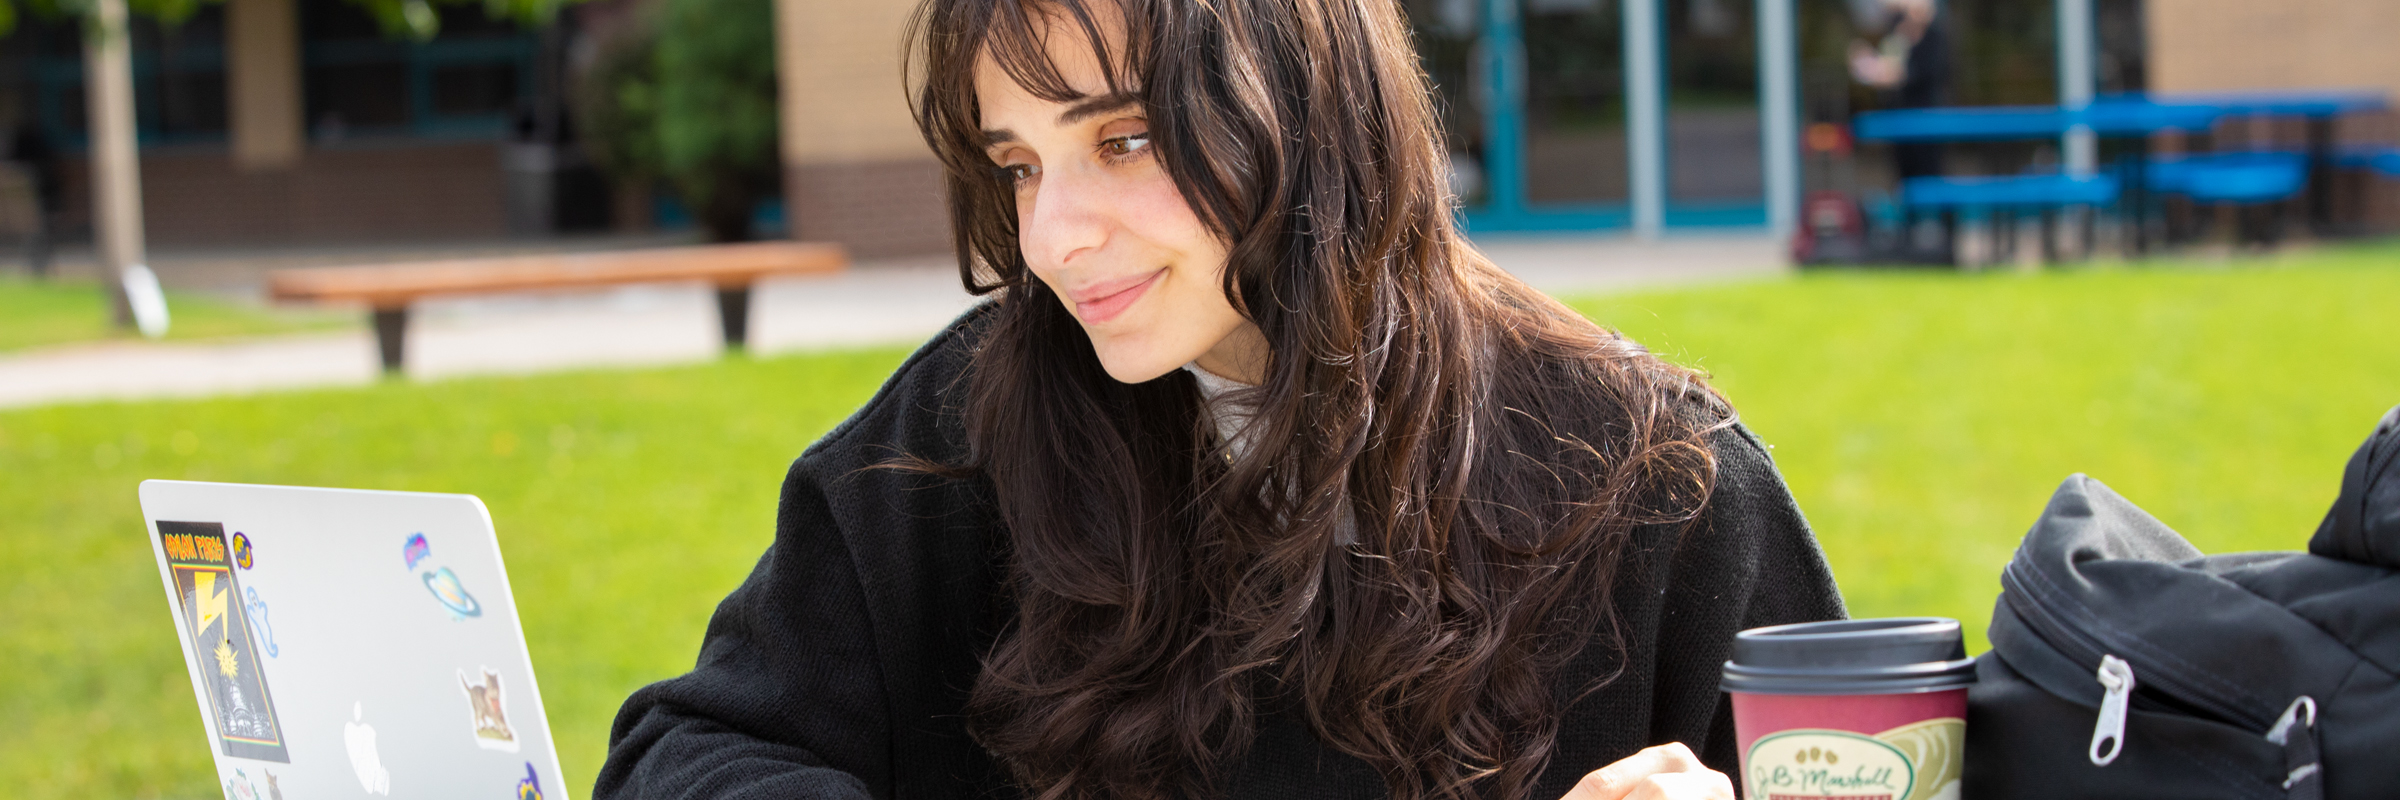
point(1069, 218)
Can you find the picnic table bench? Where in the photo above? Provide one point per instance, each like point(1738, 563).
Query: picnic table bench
point(2004, 195)
point(388, 290)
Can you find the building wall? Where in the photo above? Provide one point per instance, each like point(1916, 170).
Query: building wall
point(2241, 45)
point(353, 194)
point(2228, 45)
point(855, 170)
point(262, 76)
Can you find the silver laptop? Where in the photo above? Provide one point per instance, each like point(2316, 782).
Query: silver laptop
point(351, 643)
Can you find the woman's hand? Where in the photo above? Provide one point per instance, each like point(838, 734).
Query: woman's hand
point(1666, 772)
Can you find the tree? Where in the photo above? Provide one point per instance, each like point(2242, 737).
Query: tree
point(690, 100)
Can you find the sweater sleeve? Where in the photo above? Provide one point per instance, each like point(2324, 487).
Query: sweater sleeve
point(1749, 561)
point(838, 668)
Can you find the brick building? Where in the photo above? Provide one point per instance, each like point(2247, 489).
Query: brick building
point(295, 121)
point(277, 121)
point(2238, 46)
point(2235, 45)
point(855, 170)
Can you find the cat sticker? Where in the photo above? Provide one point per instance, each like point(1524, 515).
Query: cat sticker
point(200, 563)
point(487, 710)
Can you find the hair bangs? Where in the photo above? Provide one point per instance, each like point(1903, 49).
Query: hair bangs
point(1018, 40)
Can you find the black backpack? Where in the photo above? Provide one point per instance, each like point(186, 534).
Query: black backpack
point(2125, 664)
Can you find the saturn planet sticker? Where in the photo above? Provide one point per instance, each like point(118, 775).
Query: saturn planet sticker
point(445, 587)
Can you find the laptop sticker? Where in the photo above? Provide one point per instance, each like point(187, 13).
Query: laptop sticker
point(274, 792)
point(258, 614)
point(359, 738)
point(241, 550)
point(487, 711)
point(446, 588)
point(239, 787)
point(415, 550)
point(530, 786)
point(223, 645)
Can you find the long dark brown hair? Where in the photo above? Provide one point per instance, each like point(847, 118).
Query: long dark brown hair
point(1491, 449)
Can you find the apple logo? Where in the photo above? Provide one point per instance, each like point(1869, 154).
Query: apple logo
point(360, 736)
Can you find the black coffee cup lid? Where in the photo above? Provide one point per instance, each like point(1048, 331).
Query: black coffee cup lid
point(1895, 655)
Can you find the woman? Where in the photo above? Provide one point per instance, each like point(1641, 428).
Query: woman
point(1253, 480)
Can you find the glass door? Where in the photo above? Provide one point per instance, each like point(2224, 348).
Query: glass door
point(1575, 148)
point(1532, 99)
point(1716, 174)
point(1446, 32)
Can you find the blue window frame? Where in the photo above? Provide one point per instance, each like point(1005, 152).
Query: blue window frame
point(356, 84)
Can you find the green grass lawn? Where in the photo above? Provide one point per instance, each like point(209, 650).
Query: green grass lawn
point(1921, 418)
point(34, 313)
point(1924, 419)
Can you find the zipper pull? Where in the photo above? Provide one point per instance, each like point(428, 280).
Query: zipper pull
point(2116, 678)
point(2296, 731)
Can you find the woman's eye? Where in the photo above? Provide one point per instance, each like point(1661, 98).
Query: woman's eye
point(1128, 146)
point(1017, 174)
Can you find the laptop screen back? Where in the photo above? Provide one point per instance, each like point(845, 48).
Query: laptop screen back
point(345, 643)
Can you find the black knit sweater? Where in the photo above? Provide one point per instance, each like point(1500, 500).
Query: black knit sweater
point(840, 667)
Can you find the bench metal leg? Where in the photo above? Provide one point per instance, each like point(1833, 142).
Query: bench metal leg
point(1950, 236)
point(733, 316)
point(2050, 246)
point(2091, 234)
point(2000, 238)
point(391, 329)
point(2320, 175)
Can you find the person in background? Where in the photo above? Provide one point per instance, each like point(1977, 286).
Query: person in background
point(1911, 64)
point(1255, 479)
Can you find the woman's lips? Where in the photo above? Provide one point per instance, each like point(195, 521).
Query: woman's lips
point(1104, 302)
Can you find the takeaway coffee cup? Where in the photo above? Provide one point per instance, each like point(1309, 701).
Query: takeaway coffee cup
point(1861, 709)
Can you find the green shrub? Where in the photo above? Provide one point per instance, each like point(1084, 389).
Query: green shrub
point(690, 100)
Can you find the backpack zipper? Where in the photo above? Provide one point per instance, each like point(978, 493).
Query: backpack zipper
point(2116, 679)
point(2086, 648)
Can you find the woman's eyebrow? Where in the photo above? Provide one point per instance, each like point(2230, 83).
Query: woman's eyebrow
point(1095, 106)
point(1088, 108)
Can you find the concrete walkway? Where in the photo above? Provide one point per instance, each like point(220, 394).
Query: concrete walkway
point(887, 302)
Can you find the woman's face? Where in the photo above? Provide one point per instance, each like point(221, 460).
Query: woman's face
point(1103, 226)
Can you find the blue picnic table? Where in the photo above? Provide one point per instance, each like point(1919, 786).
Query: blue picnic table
point(2113, 118)
point(2110, 115)
point(2313, 104)
point(2136, 116)
point(2319, 108)
point(2018, 123)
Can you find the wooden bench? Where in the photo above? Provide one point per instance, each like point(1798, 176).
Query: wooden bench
point(387, 290)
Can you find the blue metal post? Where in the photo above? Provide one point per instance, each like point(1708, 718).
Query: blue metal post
point(1779, 105)
point(2076, 51)
point(1645, 116)
point(1501, 51)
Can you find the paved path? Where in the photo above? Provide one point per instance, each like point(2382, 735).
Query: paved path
point(892, 302)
